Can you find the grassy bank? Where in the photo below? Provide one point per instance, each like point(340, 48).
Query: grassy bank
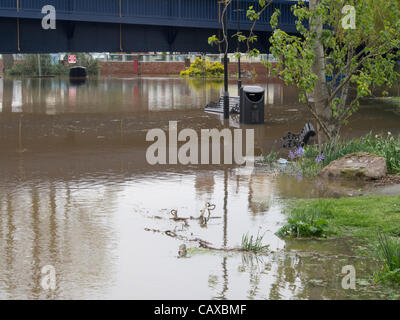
point(374, 220)
point(363, 217)
point(310, 160)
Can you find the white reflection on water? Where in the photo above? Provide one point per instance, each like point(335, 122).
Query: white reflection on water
point(83, 209)
point(89, 225)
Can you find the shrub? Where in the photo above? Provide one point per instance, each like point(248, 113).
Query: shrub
point(201, 84)
point(91, 64)
point(306, 223)
point(203, 68)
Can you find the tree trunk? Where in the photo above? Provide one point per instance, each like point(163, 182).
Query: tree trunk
point(8, 61)
point(321, 95)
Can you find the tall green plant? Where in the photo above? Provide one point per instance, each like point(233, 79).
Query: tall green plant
point(306, 223)
point(388, 251)
point(251, 243)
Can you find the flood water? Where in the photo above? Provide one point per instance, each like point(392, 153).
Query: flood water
point(77, 193)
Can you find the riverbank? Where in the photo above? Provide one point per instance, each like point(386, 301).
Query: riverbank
point(369, 215)
point(372, 222)
point(132, 69)
point(360, 217)
point(129, 69)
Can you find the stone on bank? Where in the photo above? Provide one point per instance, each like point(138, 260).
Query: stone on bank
point(360, 165)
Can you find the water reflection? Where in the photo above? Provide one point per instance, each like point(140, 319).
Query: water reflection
point(40, 226)
point(11, 93)
point(86, 213)
point(61, 95)
point(183, 98)
point(81, 195)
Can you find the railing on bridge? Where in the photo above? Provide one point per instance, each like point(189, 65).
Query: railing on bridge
point(201, 13)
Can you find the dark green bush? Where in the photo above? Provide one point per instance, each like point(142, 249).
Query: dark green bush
point(306, 223)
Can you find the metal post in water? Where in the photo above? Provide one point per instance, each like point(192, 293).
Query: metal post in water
point(20, 134)
point(226, 89)
point(238, 10)
point(122, 131)
point(39, 67)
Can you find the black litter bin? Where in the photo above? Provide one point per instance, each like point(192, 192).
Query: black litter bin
point(252, 100)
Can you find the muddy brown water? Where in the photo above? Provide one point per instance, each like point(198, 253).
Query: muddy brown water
point(77, 193)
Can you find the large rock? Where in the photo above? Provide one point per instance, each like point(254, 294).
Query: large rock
point(357, 165)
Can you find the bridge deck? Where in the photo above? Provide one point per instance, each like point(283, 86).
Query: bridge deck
point(189, 14)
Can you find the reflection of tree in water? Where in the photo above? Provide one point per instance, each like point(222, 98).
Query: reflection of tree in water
point(260, 193)
point(8, 242)
point(7, 98)
point(49, 224)
point(204, 84)
point(284, 276)
point(204, 183)
point(213, 281)
point(225, 237)
point(254, 266)
point(224, 266)
point(312, 277)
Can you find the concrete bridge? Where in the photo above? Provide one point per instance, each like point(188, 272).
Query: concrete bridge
point(129, 25)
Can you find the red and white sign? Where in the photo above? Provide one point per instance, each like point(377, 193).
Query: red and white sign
point(71, 59)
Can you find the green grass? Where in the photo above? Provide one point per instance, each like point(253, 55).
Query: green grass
point(362, 217)
point(250, 243)
point(305, 223)
point(374, 219)
point(388, 251)
point(309, 167)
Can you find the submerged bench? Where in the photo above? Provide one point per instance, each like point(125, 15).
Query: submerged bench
point(218, 107)
point(293, 140)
